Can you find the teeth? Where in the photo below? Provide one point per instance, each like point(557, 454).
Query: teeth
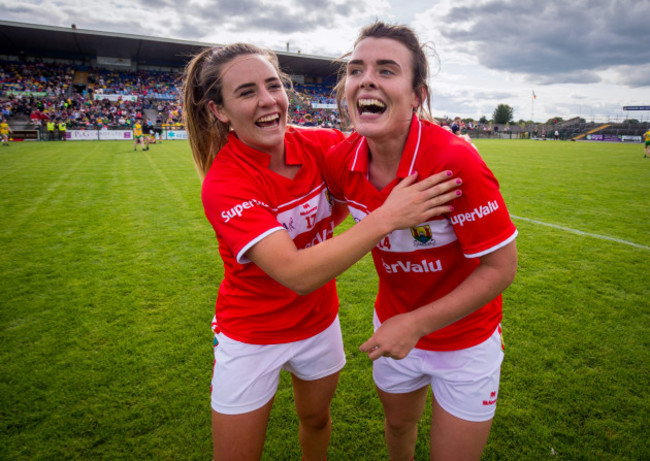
point(371, 102)
point(268, 118)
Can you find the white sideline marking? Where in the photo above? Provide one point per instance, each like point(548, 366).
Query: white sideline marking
point(575, 231)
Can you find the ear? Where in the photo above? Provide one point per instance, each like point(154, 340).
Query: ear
point(418, 97)
point(218, 112)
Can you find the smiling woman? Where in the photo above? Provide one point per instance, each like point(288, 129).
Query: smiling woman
point(386, 66)
point(438, 309)
point(255, 105)
point(264, 194)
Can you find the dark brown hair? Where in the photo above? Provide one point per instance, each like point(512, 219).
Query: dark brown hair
point(420, 64)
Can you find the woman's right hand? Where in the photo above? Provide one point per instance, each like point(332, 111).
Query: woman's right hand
point(411, 203)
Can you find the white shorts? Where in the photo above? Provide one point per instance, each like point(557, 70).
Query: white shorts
point(246, 376)
point(465, 382)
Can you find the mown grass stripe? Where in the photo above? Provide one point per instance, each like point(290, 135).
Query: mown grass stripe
point(579, 232)
point(48, 192)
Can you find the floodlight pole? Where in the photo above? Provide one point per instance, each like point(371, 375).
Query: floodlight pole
point(532, 107)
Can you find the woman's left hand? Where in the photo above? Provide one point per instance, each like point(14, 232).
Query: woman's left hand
point(395, 338)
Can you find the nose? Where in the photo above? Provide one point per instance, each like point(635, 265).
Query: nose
point(266, 98)
point(367, 80)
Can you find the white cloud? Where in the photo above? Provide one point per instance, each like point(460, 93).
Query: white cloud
point(582, 54)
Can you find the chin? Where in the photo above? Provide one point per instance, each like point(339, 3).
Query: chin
point(368, 129)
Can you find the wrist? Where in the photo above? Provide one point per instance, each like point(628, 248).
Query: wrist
point(420, 321)
point(380, 221)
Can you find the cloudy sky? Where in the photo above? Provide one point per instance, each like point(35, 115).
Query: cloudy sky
point(585, 58)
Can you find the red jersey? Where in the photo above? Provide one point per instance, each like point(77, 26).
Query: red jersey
point(245, 202)
point(419, 265)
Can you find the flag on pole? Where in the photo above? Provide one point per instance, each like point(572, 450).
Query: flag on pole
point(534, 95)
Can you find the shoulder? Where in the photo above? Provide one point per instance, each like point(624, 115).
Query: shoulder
point(321, 136)
point(453, 150)
point(227, 180)
point(438, 138)
point(226, 164)
point(344, 149)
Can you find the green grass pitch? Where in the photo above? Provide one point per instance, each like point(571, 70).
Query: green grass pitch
point(110, 271)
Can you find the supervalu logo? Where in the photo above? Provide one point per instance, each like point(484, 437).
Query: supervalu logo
point(479, 212)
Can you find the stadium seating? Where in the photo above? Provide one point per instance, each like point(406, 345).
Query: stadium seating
point(84, 97)
point(33, 92)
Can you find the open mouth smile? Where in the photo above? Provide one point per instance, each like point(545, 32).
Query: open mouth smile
point(268, 121)
point(370, 106)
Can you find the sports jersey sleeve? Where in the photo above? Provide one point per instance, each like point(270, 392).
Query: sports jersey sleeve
point(480, 218)
point(334, 171)
point(238, 212)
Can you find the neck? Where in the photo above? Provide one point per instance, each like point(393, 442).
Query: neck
point(279, 165)
point(384, 161)
point(386, 153)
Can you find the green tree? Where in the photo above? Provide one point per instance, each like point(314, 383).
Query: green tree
point(502, 114)
point(483, 120)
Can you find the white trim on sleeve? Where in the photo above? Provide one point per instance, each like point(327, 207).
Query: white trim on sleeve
point(241, 256)
point(494, 248)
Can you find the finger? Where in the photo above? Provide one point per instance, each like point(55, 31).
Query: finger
point(371, 348)
point(368, 346)
point(435, 179)
point(441, 205)
point(442, 188)
point(410, 179)
point(375, 353)
point(444, 199)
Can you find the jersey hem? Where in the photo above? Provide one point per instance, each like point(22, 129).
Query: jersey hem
point(281, 337)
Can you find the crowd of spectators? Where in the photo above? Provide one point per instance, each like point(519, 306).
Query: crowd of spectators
point(42, 92)
point(34, 93)
point(93, 98)
point(314, 105)
point(150, 85)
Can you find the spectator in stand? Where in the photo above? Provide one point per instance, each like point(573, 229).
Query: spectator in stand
point(35, 117)
point(6, 110)
point(455, 127)
point(49, 93)
point(556, 135)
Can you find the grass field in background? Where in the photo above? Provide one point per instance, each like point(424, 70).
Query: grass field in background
point(110, 272)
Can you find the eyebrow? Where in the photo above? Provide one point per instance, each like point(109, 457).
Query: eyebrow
point(252, 85)
point(381, 62)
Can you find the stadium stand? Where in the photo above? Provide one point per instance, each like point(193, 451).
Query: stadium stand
point(59, 74)
point(53, 76)
point(94, 98)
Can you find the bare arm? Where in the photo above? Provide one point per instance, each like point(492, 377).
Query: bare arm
point(398, 335)
point(340, 212)
point(305, 270)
